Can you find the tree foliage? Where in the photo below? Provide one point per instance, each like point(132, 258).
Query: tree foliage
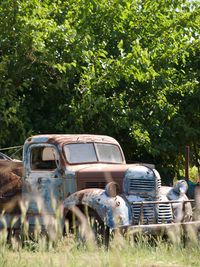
point(129, 69)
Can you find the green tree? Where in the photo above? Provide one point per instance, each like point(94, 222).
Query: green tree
point(123, 68)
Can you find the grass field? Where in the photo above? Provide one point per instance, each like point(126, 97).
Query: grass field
point(121, 252)
point(55, 249)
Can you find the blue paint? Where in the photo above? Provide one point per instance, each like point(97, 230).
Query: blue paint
point(113, 211)
point(42, 187)
point(70, 182)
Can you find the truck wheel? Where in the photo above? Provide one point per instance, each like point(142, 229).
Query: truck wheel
point(88, 224)
point(100, 230)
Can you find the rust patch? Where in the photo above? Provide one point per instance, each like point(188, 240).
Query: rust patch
point(29, 188)
point(80, 198)
point(104, 211)
point(94, 191)
point(80, 194)
point(59, 187)
point(54, 140)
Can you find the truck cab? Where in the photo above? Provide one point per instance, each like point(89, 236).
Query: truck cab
point(82, 170)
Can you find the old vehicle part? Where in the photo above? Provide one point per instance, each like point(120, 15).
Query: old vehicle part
point(113, 211)
point(5, 157)
point(112, 189)
point(180, 187)
point(86, 224)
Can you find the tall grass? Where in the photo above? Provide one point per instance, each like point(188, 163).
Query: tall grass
point(52, 248)
point(123, 251)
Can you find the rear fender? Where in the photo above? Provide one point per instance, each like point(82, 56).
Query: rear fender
point(113, 211)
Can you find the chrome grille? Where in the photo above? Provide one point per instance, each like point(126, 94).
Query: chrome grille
point(164, 212)
point(141, 185)
point(143, 214)
point(144, 185)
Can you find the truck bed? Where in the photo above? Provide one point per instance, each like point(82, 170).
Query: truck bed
point(10, 184)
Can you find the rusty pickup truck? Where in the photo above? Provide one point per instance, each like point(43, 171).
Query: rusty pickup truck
point(63, 171)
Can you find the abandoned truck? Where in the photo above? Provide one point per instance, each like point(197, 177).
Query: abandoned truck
point(82, 170)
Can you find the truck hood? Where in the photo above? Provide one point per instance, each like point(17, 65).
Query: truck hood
point(98, 175)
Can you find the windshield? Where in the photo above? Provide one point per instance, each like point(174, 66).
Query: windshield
point(92, 152)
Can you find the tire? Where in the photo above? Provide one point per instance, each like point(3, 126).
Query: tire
point(100, 230)
point(86, 224)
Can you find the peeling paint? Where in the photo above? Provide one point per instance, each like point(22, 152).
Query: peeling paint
point(108, 208)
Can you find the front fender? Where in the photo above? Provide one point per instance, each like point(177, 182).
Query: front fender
point(182, 212)
point(114, 211)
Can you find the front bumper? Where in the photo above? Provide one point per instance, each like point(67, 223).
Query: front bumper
point(186, 225)
point(162, 229)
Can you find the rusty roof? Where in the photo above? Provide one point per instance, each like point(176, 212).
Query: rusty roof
point(70, 138)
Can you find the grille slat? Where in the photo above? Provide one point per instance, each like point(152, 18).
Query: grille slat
point(141, 180)
point(139, 186)
point(164, 213)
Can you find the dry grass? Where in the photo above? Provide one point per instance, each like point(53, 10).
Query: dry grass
point(122, 252)
point(55, 249)
point(46, 250)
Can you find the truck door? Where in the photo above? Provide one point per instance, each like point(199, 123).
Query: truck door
point(43, 180)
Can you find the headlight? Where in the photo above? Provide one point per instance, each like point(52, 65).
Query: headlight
point(112, 189)
point(180, 187)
